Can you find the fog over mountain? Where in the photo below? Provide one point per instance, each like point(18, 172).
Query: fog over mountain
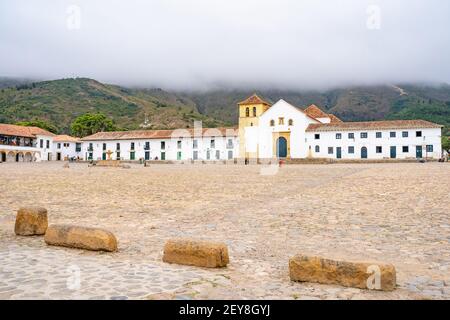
point(208, 44)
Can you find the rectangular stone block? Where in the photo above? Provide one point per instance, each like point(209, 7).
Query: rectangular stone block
point(363, 275)
point(31, 221)
point(81, 237)
point(196, 253)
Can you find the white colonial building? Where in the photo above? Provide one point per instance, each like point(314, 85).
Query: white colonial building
point(285, 131)
point(181, 144)
point(279, 131)
point(66, 147)
point(25, 144)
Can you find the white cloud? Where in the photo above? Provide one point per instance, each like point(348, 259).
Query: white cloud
point(202, 43)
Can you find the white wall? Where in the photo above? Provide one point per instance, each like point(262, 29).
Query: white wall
point(171, 149)
point(46, 153)
point(66, 151)
point(328, 139)
point(301, 121)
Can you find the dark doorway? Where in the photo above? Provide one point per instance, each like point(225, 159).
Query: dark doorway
point(58, 156)
point(339, 152)
point(393, 152)
point(2, 157)
point(281, 147)
point(419, 152)
point(363, 153)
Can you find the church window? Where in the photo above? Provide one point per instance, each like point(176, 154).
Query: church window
point(291, 122)
point(247, 112)
point(254, 111)
point(272, 123)
point(281, 121)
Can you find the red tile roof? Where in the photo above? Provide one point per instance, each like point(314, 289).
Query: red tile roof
point(315, 112)
point(334, 119)
point(254, 99)
point(373, 125)
point(21, 131)
point(65, 138)
point(161, 134)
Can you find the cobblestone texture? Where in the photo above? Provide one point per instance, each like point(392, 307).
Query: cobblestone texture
point(394, 213)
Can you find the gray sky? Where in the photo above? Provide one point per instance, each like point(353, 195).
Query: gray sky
point(198, 44)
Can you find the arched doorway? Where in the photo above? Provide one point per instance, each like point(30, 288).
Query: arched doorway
point(11, 157)
point(19, 157)
point(37, 156)
point(28, 157)
point(363, 153)
point(281, 147)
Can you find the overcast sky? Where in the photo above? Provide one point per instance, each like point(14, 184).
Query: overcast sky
point(198, 44)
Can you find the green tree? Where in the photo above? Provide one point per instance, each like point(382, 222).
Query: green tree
point(40, 124)
point(445, 143)
point(91, 123)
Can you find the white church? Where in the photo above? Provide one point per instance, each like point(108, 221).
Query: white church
point(265, 131)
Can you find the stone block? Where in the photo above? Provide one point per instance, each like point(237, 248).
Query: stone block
point(31, 221)
point(196, 253)
point(363, 275)
point(81, 237)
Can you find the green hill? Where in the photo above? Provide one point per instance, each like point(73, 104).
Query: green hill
point(430, 103)
point(60, 101)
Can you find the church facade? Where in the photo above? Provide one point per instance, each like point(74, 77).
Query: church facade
point(285, 131)
point(265, 131)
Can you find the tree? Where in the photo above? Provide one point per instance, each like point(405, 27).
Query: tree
point(40, 124)
point(445, 143)
point(91, 123)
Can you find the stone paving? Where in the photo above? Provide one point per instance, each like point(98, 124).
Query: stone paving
point(394, 213)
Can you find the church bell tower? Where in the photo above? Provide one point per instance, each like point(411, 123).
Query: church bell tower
point(249, 112)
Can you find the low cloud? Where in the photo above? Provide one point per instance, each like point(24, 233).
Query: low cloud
point(202, 44)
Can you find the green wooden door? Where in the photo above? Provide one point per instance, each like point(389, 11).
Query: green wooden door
point(419, 152)
point(393, 152)
point(364, 153)
point(282, 147)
